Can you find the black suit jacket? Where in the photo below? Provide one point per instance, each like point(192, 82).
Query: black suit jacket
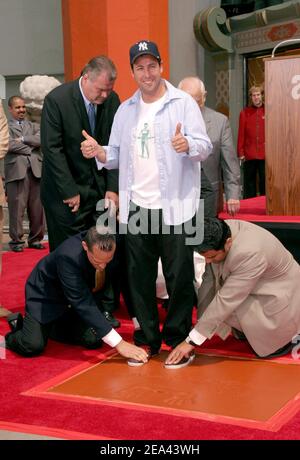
point(66, 277)
point(65, 171)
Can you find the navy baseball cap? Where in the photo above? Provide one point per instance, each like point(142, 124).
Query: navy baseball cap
point(143, 47)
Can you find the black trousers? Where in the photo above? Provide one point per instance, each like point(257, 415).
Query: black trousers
point(117, 272)
point(209, 196)
point(62, 223)
point(143, 250)
point(32, 339)
point(251, 168)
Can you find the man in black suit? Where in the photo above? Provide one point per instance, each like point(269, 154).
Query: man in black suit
point(70, 185)
point(62, 298)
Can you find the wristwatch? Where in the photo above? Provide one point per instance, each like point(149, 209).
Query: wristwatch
point(190, 342)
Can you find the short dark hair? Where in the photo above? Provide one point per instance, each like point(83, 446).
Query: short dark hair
point(12, 99)
point(100, 236)
point(99, 64)
point(216, 233)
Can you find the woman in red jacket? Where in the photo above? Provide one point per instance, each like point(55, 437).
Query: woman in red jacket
point(251, 143)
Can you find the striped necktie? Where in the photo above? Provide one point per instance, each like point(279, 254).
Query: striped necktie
point(92, 117)
point(99, 280)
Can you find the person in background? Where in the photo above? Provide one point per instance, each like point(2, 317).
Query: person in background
point(22, 170)
point(63, 294)
point(222, 166)
point(251, 143)
point(70, 185)
point(4, 137)
point(158, 139)
point(250, 287)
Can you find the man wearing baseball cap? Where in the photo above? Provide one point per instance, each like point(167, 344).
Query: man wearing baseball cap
point(157, 141)
point(141, 48)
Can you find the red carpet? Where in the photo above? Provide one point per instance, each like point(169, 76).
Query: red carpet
point(254, 210)
point(78, 420)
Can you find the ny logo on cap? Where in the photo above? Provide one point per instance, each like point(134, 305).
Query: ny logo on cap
point(143, 46)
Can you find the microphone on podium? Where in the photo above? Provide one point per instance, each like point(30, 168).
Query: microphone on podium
point(291, 40)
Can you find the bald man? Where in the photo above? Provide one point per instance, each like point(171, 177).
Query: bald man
point(223, 163)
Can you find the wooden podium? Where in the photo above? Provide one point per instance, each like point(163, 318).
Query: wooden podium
point(282, 107)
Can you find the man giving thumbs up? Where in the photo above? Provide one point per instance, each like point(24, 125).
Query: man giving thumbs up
point(90, 148)
point(179, 142)
point(157, 140)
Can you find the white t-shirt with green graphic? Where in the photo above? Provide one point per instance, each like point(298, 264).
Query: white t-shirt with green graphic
point(145, 189)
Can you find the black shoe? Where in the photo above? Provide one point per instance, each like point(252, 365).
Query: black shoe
point(165, 304)
point(182, 363)
point(36, 246)
point(239, 335)
point(17, 248)
point(7, 341)
point(15, 321)
point(280, 352)
point(111, 319)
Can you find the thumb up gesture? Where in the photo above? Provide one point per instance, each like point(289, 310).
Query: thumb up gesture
point(90, 148)
point(179, 142)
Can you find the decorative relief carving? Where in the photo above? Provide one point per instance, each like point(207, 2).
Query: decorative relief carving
point(265, 35)
point(214, 32)
point(211, 30)
point(222, 91)
point(282, 32)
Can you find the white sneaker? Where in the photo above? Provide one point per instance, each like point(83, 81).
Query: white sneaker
point(136, 363)
point(182, 363)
